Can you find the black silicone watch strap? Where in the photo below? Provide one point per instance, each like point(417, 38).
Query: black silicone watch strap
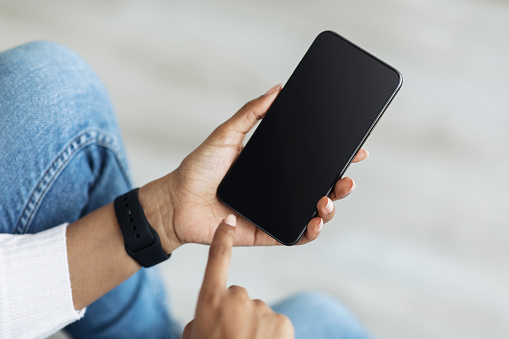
point(141, 241)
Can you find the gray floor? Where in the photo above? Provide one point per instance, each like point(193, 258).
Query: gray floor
point(420, 249)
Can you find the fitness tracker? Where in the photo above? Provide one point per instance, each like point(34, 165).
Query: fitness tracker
point(141, 241)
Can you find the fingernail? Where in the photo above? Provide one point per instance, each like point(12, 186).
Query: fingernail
point(230, 220)
point(367, 154)
point(329, 205)
point(352, 188)
point(320, 225)
point(273, 89)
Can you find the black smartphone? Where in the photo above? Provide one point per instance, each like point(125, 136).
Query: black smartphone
point(309, 136)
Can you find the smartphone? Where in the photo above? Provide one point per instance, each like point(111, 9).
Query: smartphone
point(309, 136)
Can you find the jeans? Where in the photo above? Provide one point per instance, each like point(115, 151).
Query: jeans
point(61, 157)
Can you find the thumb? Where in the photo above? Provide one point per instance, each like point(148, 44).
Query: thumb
point(252, 112)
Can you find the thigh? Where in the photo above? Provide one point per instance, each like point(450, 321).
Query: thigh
point(61, 157)
point(53, 109)
point(316, 315)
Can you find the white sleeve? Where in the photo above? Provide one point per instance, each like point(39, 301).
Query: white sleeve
point(35, 286)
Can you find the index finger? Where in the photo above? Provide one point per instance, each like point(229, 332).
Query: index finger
point(216, 273)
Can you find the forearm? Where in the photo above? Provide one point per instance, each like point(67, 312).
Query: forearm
point(97, 258)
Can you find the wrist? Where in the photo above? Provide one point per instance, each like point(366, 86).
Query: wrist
point(158, 208)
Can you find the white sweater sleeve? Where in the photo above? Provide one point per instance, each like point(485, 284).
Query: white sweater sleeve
point(35, 286)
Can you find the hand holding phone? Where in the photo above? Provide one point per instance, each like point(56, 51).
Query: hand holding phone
point(188, 204)
point(309, 136)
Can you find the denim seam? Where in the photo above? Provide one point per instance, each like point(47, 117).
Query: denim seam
point(82, 140)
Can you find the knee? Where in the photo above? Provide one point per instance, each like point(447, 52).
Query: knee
point(43, 82)
point(39, 49)
point(317, 302)
point(314, 312)
point(324, 303)
point(41, 62)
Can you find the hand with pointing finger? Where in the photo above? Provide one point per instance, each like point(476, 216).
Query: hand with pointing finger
point(229, 312)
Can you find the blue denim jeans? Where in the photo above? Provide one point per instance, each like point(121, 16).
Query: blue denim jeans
point(61, 157)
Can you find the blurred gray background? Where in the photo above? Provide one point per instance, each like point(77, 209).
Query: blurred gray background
point(421, 248)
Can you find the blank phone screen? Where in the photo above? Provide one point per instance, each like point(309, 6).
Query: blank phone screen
point(309, 136)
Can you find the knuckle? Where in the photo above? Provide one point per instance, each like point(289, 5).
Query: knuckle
point(187, 330)
point(223, 233)
point(223, 137)
point(254, 116)
point(259, 302)
point(209, 298)
point(218, 250)
point(229, 231)
point(261, 305)
point(283, 321)
point(237, 291)
point(221, 130)
point(249, 105)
